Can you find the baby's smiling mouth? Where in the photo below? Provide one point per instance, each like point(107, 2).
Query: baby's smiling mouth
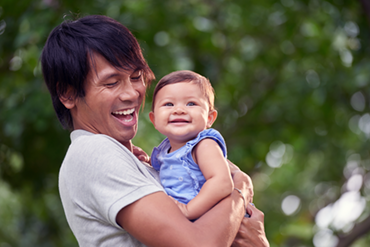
point(124, 115)
point(179, 120)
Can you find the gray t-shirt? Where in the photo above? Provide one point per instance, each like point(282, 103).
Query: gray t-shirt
point(99, 176)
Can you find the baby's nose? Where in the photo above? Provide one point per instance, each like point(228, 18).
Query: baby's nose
point(179, 110)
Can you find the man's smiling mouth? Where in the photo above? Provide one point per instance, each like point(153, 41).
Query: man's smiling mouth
point(124, 115)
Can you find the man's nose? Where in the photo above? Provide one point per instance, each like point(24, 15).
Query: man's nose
point(128, 92)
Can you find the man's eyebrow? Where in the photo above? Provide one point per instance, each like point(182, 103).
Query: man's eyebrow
point(108, 76)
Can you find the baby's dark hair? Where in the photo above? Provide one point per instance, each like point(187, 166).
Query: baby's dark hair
point(187, 76)
point(68, 55)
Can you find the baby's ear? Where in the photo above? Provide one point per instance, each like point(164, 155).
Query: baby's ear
point(212, 115)
point(68, 99)
point(151, 117)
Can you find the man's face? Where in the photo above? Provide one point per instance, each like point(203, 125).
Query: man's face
point(111, 103)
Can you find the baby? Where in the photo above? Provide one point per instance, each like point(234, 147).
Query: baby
point(191, 161)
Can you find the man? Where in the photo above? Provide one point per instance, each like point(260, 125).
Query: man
point(97, 77)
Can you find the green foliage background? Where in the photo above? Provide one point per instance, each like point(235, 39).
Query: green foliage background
point(292, 90)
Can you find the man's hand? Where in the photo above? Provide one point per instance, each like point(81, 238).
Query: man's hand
point(140, 154)
point(233, 168)
point(242, 181)
point(252, 231)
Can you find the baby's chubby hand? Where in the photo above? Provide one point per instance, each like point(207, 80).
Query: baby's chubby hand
point(140, 154)
point(182, 207)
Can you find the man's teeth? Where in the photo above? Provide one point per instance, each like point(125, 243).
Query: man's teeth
point(129, 119)
point(125, 112)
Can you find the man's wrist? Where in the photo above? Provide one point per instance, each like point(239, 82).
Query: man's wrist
point(244, 201)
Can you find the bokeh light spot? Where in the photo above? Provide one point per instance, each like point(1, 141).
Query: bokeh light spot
point(290, 204)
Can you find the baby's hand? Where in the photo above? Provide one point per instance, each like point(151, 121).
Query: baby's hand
point(140, 154)
point(182, 207)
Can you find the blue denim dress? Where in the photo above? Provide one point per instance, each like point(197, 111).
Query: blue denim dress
point(179, 174)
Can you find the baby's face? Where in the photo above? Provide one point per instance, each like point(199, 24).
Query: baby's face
point(181, 111)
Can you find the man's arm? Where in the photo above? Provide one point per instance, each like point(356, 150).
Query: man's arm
point(156, 221)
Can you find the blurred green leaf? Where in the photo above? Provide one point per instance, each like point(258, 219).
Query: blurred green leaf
point(292, 90)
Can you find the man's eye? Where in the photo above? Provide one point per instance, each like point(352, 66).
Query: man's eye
point(168, 104)
point(191, 104)
point(111, 84)
point(136, 76)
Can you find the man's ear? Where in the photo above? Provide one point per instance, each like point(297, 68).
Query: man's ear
point(212, 115)
point(151, 117)
point(68, 99)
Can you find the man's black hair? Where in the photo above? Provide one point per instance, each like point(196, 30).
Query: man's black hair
point(66, 56)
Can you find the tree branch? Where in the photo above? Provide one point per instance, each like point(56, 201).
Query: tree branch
point(366, 7)
point(357, 232)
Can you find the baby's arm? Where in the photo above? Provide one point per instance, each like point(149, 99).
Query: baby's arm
point(208, 155)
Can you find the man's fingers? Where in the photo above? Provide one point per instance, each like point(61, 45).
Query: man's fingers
point(233, 168)
point(255, 213)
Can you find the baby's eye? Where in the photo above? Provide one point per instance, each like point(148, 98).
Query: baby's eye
point(191, 104)
point(168, 104)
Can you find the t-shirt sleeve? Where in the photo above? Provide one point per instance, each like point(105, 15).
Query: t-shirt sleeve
point(108, 178)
